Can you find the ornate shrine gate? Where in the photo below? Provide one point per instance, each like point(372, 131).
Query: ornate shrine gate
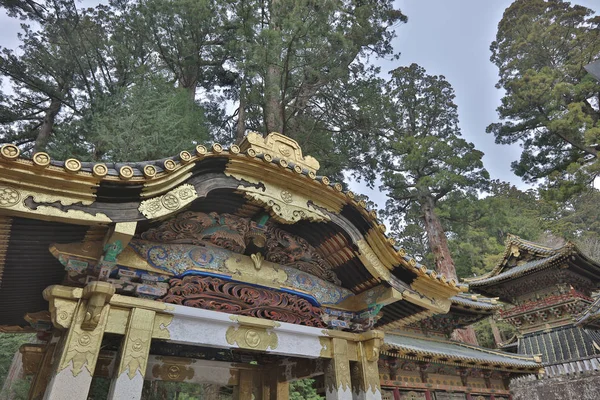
point(246, 250)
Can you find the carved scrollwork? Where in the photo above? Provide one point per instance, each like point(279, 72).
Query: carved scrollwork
point(219, 295)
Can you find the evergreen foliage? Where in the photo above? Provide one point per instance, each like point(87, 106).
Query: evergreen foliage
point(551, 105)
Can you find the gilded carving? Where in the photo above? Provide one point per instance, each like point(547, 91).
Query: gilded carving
point(337, 371)
point(9, 196)
point(62, 311)
point(169, 202)
point(136, 345)
point(286, 196)
point(81, 347)
point(277, 145)
point(98, 294)
point(252, 338)
point(371, 261)
point(283, 206)
point(264, 272)
point(161, 326)
point(173, 369)
point(14, 199)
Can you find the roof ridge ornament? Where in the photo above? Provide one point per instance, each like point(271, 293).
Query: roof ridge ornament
point(280, 146)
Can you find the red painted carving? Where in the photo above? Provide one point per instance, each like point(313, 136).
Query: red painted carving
point(216, 294)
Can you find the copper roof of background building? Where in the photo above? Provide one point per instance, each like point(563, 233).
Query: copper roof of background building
point(456, 353)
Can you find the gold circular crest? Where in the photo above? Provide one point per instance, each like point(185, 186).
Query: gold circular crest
point(268, 157)
point(41, 159)
point(84, 339)
point(235, 149)
point(185, 156)
point(100, 170)
point(285, 150)
point(312, 175)
point(170, 201)
point(126, 172)
point(251, 152)
point(10, 151)
point(286, 196)
point(325, 180)
point(137, 345)
point(252, 338)
point(217, 148)
point(169, 165)
point(149, 171)
point(298, 169)
point(73, 165)
point(283, 163)
point(8, 196)
point(173, 372)
point(201, 150)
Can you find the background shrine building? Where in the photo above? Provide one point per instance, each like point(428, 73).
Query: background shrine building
point(551, 307)
point(237, 266)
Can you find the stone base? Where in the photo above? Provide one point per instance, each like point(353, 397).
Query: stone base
point(584, 386)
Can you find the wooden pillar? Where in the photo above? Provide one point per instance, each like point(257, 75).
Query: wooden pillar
point(273, 389)
point(469, 396)
point(78, 350)
point(365, 372)
point(243, 391)
point(428, 394)
point(396, 393)
point(42, 376)
point(135, 348)
point(337, 372)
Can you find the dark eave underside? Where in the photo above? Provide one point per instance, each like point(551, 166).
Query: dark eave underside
point(30, 267)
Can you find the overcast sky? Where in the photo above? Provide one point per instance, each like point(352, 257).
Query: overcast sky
point(452, 38)
point(446, 37)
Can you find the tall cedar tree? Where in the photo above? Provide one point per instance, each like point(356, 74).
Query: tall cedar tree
point(422, 156)
point(423, 159)
point(298, 59)
point(551, 105)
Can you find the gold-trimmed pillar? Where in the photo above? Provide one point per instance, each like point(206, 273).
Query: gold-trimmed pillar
point(77, 352)
point(337, 372)
point(135, 348)
point(365, 372)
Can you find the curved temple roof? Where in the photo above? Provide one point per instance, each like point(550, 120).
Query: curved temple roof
point(437, 350)
point(538, 258)
point(269, 173)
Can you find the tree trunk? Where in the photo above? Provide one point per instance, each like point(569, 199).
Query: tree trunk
point(495, 331)
point(273, 105)
point(466, 335)
point(273, 110)
point(437, 239)
point(443, 259)
point(43, 136)
point(240, 130)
